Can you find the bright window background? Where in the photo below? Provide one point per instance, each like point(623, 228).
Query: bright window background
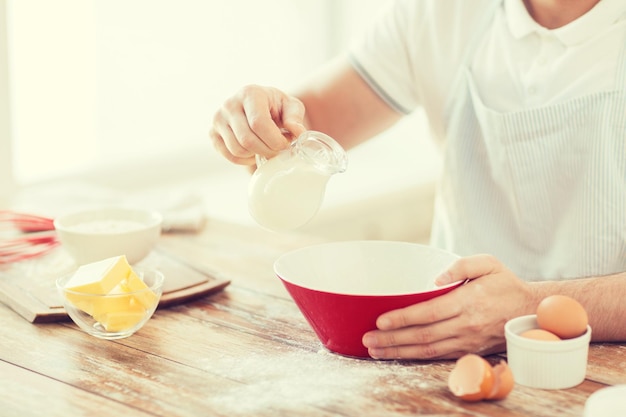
point(119, 94)
point(97, 82)
point(6, 161)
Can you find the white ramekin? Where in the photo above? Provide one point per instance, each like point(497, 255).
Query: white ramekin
point(545, 364)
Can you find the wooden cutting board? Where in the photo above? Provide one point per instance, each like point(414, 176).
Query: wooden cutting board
point(29, 287)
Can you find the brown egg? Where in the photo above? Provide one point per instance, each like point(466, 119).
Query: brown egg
point(540, 334)
point(563, 316)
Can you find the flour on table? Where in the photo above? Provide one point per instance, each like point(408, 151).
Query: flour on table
point(293, 379)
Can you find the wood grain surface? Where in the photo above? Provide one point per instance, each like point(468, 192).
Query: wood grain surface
point(242, 351)
point(30, 288)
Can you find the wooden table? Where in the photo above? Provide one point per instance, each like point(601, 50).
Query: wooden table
point(245, 351)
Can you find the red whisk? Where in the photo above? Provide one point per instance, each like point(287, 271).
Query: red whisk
point(35, 236)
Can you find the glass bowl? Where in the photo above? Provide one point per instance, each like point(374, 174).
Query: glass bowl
point(113, 316)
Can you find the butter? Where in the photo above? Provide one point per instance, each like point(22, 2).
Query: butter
point(119, 321)
point(99, 277)
point(98, 305)
point(133, 284)
point(111, 292)
point(120, 312)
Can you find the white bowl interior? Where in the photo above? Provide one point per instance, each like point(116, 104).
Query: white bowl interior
point(365, 267)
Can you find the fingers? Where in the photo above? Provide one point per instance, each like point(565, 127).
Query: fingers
point(423, 330)
point(273, 117)
point(256, 121)
point(443, 340)
point(226, 143)
point(293, 117)
point(470, 267)
point(421, 326)
point(258, 127)
point(463, 320)
point(437, 328)
point(442, 350)
point(447, 349)
point(411, 342)
point(427, 312)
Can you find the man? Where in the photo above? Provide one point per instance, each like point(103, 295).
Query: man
point(528, 101)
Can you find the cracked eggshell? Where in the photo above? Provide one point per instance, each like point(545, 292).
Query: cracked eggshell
point(471, 379)
point(503, 381)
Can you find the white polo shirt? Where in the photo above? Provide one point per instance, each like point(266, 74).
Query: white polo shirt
point(412, 56)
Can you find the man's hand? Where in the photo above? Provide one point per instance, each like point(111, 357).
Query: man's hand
point(254, 122)
point(470, 318)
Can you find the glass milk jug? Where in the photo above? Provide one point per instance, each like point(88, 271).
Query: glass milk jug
point(286, 191)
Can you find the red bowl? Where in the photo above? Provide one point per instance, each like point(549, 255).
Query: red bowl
point(342, 287)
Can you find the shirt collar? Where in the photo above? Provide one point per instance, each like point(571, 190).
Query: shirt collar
point(604, 14)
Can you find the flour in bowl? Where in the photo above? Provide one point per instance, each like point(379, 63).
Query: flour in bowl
point(106, 226)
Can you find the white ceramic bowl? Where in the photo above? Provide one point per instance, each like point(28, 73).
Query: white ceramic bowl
point(545, 364)
point(93, 235)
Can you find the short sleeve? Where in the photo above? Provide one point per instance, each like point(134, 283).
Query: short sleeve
point(383, 56)
point(412, 55)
